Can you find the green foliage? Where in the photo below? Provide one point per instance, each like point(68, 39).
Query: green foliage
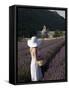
point(58, 34)
point(61, 33)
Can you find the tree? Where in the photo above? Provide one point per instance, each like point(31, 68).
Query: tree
point(56, 34)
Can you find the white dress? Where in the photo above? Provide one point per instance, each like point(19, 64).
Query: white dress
point(36, 73)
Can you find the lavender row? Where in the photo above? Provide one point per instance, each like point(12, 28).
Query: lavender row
point(24, 56)
point(23, 49)
point(49, 51)
point(24, 59)
point(56, 69)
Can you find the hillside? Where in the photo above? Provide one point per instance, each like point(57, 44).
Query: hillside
point(29, 21)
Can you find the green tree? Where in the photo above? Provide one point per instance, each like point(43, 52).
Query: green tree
point(56, 34)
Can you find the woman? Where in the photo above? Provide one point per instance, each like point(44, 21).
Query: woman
point(36, 73)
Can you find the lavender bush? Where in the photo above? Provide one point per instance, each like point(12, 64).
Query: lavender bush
point(47, 50)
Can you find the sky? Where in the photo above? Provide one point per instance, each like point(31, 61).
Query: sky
point(60, 12)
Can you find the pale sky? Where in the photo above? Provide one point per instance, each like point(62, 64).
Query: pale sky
point(60, 12)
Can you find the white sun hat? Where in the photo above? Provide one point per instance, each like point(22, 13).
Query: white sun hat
point(34, 42)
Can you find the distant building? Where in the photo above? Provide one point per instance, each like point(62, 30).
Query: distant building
point(44, 30)
point(43, 33)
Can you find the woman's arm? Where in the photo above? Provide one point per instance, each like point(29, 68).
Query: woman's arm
point(33, 52)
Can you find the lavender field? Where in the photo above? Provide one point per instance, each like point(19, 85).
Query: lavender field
point(53, 53)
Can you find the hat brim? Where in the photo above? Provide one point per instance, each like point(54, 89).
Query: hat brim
point(35, 44)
